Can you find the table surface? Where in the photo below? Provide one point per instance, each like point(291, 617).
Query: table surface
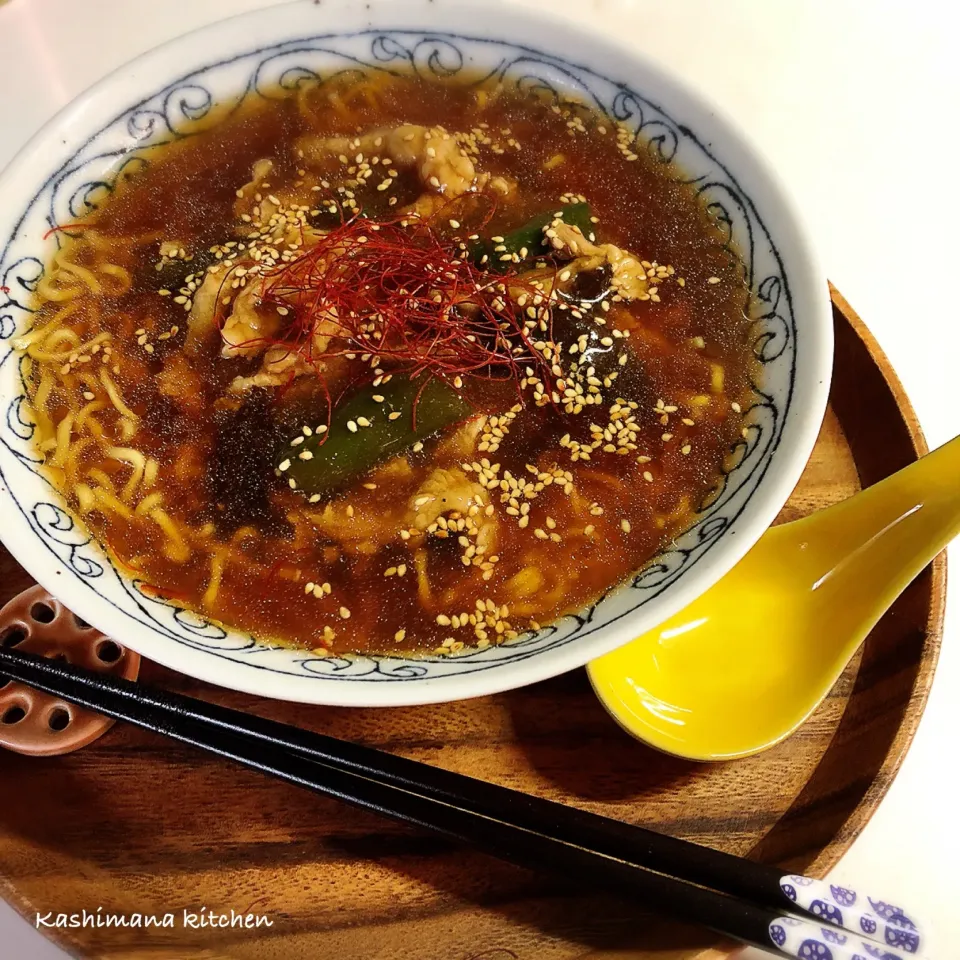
point(854, 102)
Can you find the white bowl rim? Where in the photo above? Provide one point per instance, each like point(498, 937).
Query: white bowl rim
point(803, 423)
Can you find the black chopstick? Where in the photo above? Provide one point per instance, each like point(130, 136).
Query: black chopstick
point(181, 718)
point(670, 875)
point(646, 848)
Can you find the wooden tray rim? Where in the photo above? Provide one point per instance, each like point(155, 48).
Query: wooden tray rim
point(926, 666)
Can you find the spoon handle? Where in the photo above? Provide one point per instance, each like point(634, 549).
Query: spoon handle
point(885, 535)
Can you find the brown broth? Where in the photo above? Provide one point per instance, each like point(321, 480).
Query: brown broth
point(260, 562)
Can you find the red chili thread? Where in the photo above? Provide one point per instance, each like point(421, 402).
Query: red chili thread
point(162, 593)
point(65, 226)
point(409, 300)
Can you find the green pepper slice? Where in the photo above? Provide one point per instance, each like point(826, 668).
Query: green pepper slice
point(349, 449)
point(529, 237)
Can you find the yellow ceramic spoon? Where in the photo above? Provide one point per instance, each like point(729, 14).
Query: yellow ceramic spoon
point(745, 664)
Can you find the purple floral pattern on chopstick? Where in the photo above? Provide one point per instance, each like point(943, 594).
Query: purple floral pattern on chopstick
point(876, 919)
point(807, 940)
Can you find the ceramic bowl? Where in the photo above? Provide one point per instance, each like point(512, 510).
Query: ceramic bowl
point(73, 164)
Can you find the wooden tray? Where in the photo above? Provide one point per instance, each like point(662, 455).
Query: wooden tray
point(136, 824)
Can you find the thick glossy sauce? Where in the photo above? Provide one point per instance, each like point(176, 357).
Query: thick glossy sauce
point(250, 544)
